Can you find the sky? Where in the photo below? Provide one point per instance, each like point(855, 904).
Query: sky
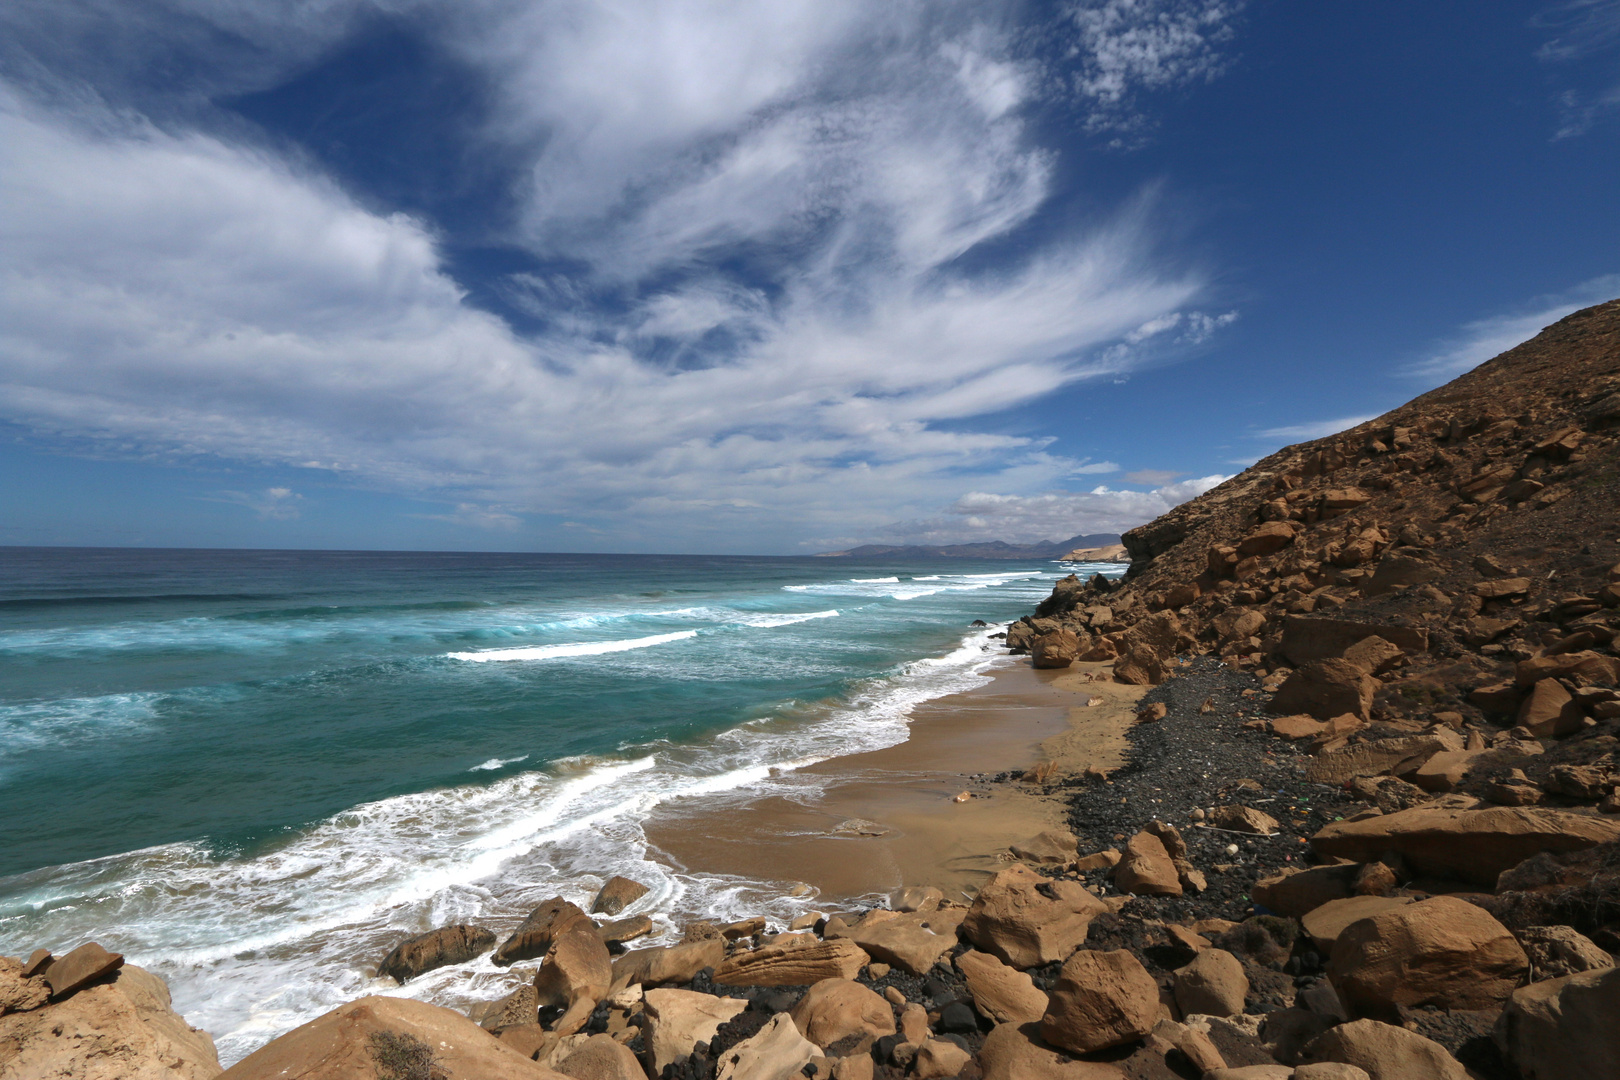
point(756, 277)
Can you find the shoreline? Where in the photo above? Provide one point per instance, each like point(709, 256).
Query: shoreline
point(909, 829)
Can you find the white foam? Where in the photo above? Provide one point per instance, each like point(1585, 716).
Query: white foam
point(497, 763)
point(579, 648)
point(890, 580)
point(766, 621)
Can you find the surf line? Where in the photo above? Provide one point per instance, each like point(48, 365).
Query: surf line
point(582, 648)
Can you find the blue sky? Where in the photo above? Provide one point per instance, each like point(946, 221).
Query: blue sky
point(756, 277)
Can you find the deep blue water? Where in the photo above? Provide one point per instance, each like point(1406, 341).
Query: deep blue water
point(246, 768)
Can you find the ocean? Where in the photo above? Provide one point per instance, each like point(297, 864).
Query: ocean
point(253, 772)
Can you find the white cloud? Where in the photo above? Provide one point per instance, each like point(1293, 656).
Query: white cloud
point(167, 291)
point(1315, 429)
point(1581, 30)
point(271, 504)
point(1485, 338)
point(982, 515)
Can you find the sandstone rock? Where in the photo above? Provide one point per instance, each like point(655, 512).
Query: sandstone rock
point(1238, 623)
point(575, 974)
point(1445, 770)
point(1374, 879)
point(937, 1059)
point(677, 1020)
point(81, 967)
point(1017, 1052)
point(1373, 655)
point(1050, 846)
point(835, 1009)
point(916, 898)
point(909, 941)
point(1146, 869)
point(1058, 649)
point(1140, 665)
point(342, 1045)
point(1325, 689)
point(1324, 924)
point(1308, 638)
point(1549, 711)
point(1292, 893)
point(1251, 1072)
point(804, 965)
point(621, 930)
point(1501, 588)
point(1468, 844)
point(776, 1052)
point(1386, 1052)
point(616, 895)
point(1584, 668)
point(1002, 994)
point(533, 936)
point(536, 1043)
point(1396, 570)
point(1243, 819)
point(1441, 951)
point(435, 949)
point(1152, 713)
point(602, 1057)
point(1557, 951)
point(1194, 1044)
point(1100, 860)
point(18, 993)
point(521, 1006)
point(1027, 920)
point(122, 1028)
point(743, 928)
point(1213, 985)
point(1378, 756)
point(1270, 537)
point(1101, 999)
point(1564, 1027)
point(1297, 727)
point(37, 962)
point(664, 964)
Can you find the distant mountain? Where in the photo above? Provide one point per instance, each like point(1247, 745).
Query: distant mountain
point(994, 549)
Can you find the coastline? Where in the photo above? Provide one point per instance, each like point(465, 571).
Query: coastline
point(981, 742)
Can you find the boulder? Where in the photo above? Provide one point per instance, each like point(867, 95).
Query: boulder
point(1213, 985)
point(122, 1028)
point(1017, 1052)
point(792, 965)
point(1002, 994)
point(1557, 951)
point(663, 964)
point(915, 898)
point(1445, 770)
point(1101, 999)
point(909, 941)
point(1243, 819)
point(601, 1057)
point(1146, 868)
point(1564, 1027)
point(621, 930)
point(938, 1059)
point(677, 1020)
point(1294, 892)
point(1147, 648)
point(1373, 654)
point(1270, 537)
point(1057, 649)
point(1193, 1043)
point(776, 1052)
point(435, 949)
point(1324, 924)
point(617, 894)
point(1474, 845)
point(1050, 846)
point(533, 936)
point(1386, 1052)
point(575, 975)
point(1027, 920)
point(1441, 951)
point(359, 1040)
point(1376, 757)
point(1308, 638)
point(1583, 668)
point(1549, 711)
point(1297, 727)
point(1325, 689)
point(1396, 570)
point(81, 967)
point(835, 1009)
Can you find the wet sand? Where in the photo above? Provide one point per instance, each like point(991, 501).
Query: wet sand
point(1023, 716)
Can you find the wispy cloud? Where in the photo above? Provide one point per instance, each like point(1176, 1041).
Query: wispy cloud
point(270, 504)
point(1584, 30)
point(1482, 339)
point(1314, 429)
point(175, 290)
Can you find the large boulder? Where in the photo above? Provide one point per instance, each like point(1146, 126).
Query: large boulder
point(1325, 689)
point(1002, 994)
point(1441, 951)
point(1213, 984)
point(89, 963)
point(1057, 649)
point(1324, 924)
point(1386, 1052)
point(1101, 999)
point(835, 1009)
point(1295, 892)
point(1306, 638)
point(358, 1041)
point(1375, 757)
point(1474, 845)
point(435, 949)
point(1549, 711)
point(793, 964)
point(575, 975)
point(1148, 648)
point(661, 965)
point(1027, 920)
point(533, 936)
point(677, 1020)
point(1017, 1052)
point(1146, 868)
point(909, 941)
point(776, 1052)
point(122, 1028)
point(1564, 1027)
point(617, 894)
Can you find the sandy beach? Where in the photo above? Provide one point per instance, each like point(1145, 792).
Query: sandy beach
point(1072, 719)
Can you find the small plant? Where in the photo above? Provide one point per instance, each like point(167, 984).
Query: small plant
point(403, 1057)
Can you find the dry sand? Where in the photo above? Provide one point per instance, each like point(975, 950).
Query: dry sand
point(1072, 718)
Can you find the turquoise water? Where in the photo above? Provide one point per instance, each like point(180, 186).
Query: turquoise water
point(252, 771)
